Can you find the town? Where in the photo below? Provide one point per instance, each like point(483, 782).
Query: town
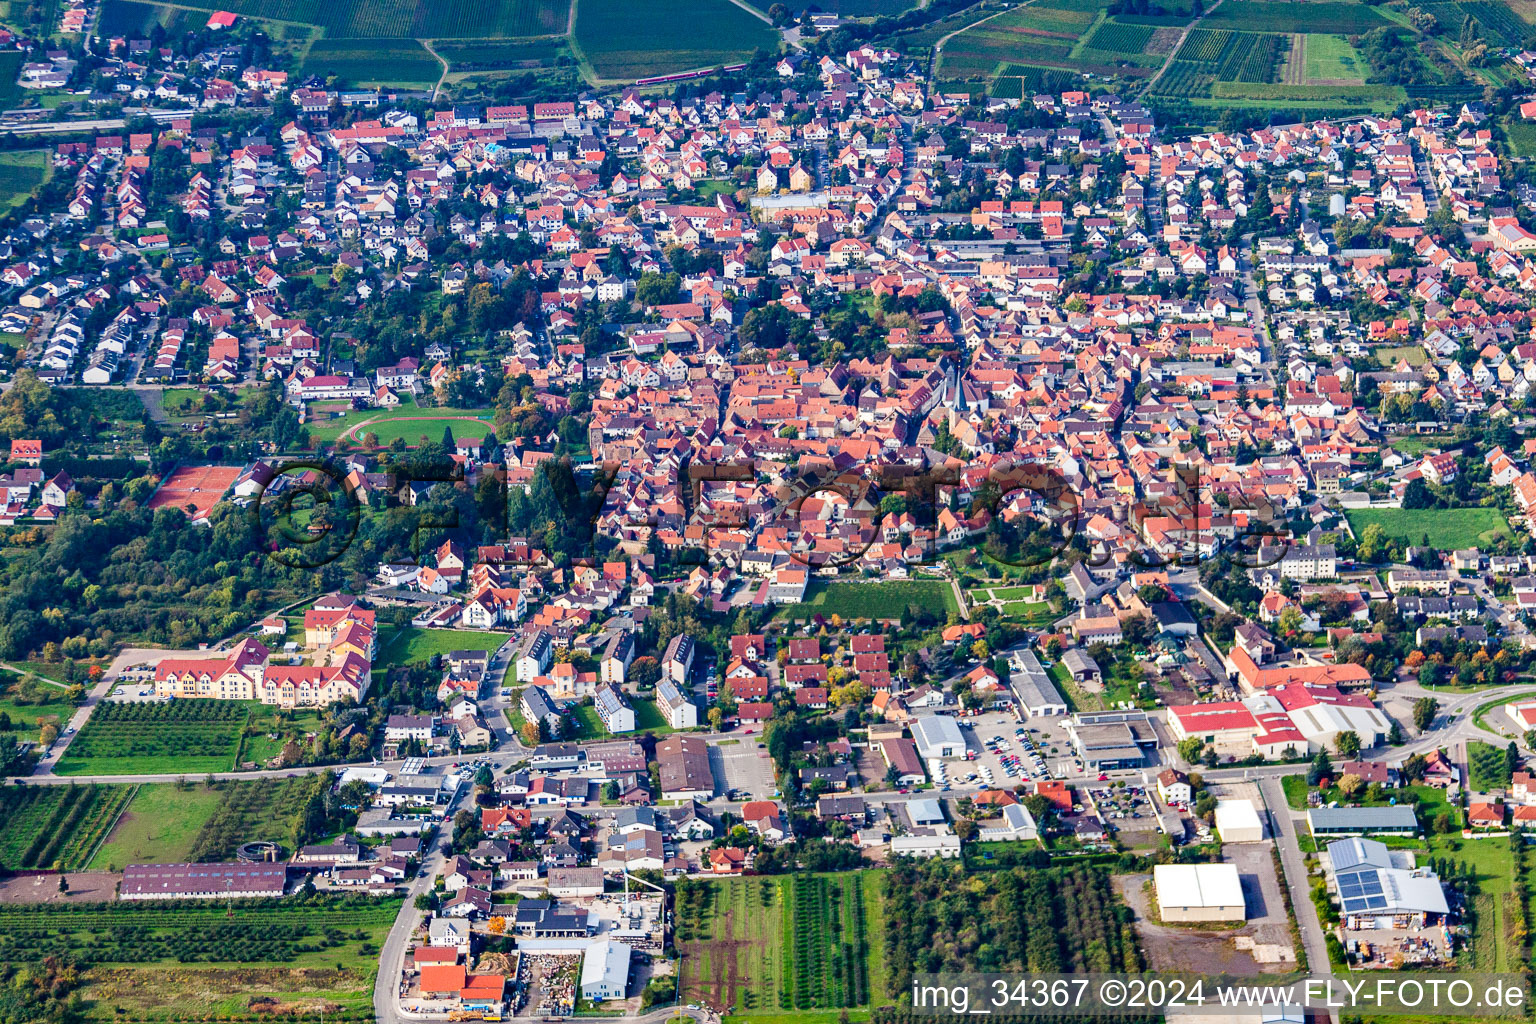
point(723, 544)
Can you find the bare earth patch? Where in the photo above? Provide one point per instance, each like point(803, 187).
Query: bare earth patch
point(84, 887)
point(1163, 40)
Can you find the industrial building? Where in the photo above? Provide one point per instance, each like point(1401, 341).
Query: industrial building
point(1380, 888)
point(1238, 822)
point(1032, 687)
point(1199, 892)
point(938, 736)
point(605, 971)
point(1398, 820)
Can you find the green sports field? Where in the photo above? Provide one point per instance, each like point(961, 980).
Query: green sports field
point(409, 422)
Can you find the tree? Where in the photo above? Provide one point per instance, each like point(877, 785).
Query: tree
point(485, 778)
point(1321, 768)
point(1351, 784)
point(1413, 768)
point(496, 925)
point(1424, 711)
point(1189, 748)
point(1347, 743)
point(716, 718)
point(1417, 495)
point(645, 672)
point(530, 734)
point(1511, 758)
point(426, 901)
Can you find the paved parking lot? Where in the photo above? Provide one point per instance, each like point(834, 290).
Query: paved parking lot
point(1003, 729)
point(742, 766)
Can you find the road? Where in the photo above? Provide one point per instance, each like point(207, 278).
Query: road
point(1295, 868)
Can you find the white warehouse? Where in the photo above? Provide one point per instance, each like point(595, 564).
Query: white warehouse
point(938, 736)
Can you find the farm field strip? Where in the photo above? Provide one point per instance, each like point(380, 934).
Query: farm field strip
point(43, 827)
point(183, 737)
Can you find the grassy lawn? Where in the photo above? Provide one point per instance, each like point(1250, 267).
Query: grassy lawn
point(158, 827)
point(648, 718)
point(885, 599)
point(1332, 60)
point(21, 172)
point(1413, 355)
point(411, 645)
point(1413, 447)
point(1448, 528)
point(1295, 787)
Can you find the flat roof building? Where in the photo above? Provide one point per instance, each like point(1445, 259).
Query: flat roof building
point(1032, 687)
point(202, 881)
point(1363, 821)
point(1238, 822)
point(605, 971)
point(1199, 892)
point(938, 736)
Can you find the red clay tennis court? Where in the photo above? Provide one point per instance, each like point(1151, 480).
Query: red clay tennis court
point(198, 486)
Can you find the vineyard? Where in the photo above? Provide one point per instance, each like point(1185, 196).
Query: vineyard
point(318, 931)
point(1112, 35)
point(769, 944)
point(826, 950)
point(1218, 55)
point(395, 19)
point(1184, 79)
point(57, 826)
point(624, 41)
point(184, 736)
point(1499, 25)
point(1330, 16)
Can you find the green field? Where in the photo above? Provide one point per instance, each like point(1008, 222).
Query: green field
point(371, 62)
point(623, 41)
point(648, 718)
point(1331, 60)
point(158, 827)
point(1521, 137)
point(886, 599)
point(1448, 528)
point(1413, 355)
point(777, 947)
point(411, 645)
point(21, 173)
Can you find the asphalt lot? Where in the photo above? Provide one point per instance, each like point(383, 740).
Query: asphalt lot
point(742, 766)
